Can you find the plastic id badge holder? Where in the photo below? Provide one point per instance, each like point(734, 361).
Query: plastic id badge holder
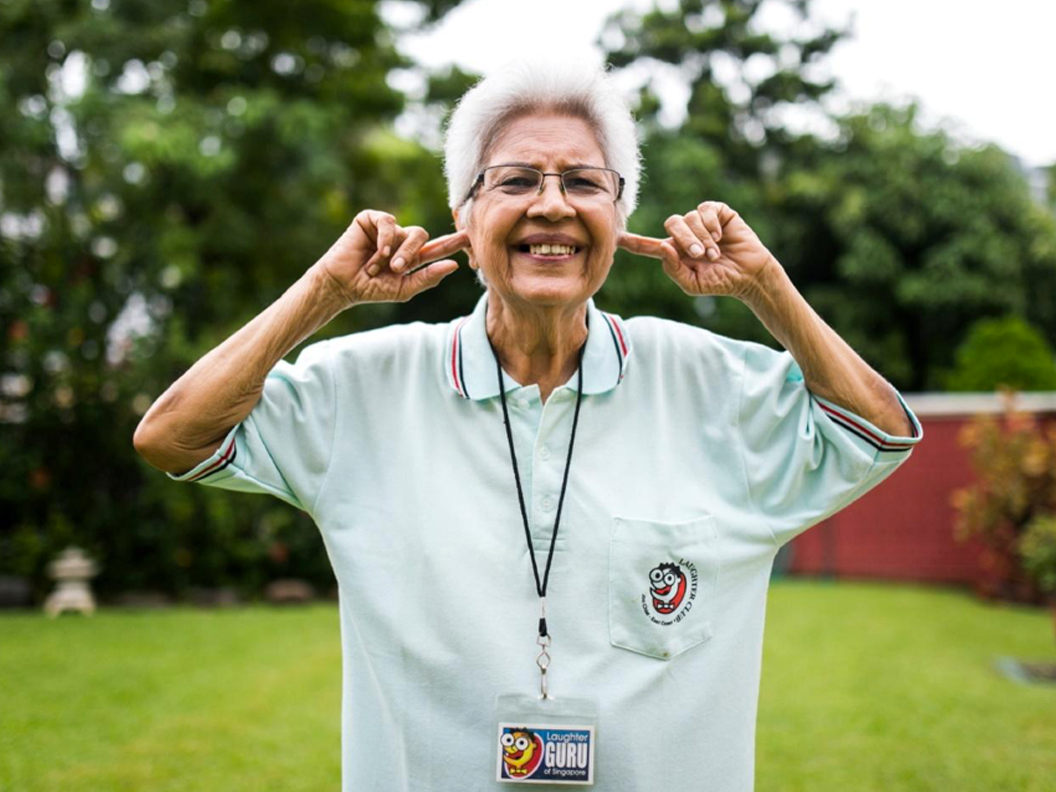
point(545, 740)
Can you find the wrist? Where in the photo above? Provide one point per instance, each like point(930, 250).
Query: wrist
point(770, 284)
point(326, 289)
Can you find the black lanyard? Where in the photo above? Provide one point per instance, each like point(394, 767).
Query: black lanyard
point(541, 587)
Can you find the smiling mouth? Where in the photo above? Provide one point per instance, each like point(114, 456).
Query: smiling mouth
point(663, 607)
point(549, 252)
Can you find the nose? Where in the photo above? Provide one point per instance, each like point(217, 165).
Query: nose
point(551, 202)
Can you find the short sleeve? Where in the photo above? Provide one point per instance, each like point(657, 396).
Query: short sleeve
point(805, 458)
point(283, 446)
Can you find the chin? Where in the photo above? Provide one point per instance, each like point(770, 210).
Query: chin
point(551, 294)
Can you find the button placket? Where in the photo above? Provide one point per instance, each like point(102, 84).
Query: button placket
point(546, 476)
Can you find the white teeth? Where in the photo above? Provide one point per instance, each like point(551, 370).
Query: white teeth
point(551, 250)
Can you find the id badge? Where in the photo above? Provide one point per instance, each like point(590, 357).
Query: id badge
point(545, 741)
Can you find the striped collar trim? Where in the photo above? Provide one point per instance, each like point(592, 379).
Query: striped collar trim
point(470, 367)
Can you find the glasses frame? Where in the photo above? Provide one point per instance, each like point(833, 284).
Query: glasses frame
point(542, 180)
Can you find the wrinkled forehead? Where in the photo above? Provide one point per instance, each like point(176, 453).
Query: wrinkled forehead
point(545, 141)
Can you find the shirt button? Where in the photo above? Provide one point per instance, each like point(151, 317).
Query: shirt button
point(547, 504)
point(544, 453)
point(523, 404)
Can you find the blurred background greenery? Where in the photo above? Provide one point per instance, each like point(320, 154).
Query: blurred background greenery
point(168, 168)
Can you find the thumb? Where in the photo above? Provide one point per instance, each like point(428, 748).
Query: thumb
point(429, 276)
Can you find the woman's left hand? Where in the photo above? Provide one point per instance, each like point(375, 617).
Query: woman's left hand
point(711, 250)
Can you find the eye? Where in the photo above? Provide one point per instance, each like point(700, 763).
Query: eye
point(511, 180)
point(522, 743)
point(669, 578)
point(588, 182)
point(516, 184)
point(507, 740)
point(656, 576)
point(583, 185)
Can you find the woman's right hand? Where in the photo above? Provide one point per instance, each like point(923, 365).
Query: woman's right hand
point(376, 260)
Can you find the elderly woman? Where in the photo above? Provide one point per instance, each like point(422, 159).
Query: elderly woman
point(552, 528)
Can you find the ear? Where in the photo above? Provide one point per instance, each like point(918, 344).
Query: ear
point(469, 249)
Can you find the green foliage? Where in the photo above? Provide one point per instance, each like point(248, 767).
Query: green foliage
point(1003, 352)
point(925, 238)
point(218, 149)
point(725, 148)
point(898, 237)
point(215, 152)
point(1050, 190)
point(1037, 547)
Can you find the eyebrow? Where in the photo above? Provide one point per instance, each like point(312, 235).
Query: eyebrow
point(571, 166)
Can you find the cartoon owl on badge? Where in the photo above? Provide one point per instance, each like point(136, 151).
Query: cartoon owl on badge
point(667, 585)
point(522, 751)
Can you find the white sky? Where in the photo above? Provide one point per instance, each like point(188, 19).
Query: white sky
point(982, 74)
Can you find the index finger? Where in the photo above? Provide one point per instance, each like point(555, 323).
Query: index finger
point(642, 245)
point(443, 246)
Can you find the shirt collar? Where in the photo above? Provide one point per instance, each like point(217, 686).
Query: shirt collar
point(470, 366)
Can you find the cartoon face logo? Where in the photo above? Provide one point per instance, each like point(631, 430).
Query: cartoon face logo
point(667, 585)
point(522, 751)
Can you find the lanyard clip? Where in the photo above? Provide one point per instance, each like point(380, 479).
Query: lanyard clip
point(543, 661)
point(544, 640)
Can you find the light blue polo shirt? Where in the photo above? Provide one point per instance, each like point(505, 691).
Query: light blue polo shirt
point(696, 458)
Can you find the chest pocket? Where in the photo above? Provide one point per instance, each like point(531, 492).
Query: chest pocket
point(662, 579)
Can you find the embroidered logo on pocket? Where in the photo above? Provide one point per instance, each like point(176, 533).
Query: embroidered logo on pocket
point(672, 589)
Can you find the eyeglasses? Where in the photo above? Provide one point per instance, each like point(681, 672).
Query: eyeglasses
point(594, 184)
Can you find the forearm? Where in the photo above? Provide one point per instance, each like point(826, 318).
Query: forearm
point(186, 424)
point(831, 369)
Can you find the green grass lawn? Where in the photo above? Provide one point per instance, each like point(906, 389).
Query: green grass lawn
point(865, 687)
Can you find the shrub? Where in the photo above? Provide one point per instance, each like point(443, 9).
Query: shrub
point(1003, 352)
point(1037, 548)
point(1014, 458)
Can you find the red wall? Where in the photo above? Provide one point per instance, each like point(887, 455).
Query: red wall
point(902, 529)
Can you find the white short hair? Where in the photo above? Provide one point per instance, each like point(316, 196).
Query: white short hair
point(576, 87)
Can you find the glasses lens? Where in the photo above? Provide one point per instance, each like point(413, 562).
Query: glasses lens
point(511, 180)
point(591, 183)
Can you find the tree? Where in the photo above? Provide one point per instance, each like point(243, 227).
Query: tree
point(729, 142)
point(920, 238)
point(898, 237)
point(211, 153)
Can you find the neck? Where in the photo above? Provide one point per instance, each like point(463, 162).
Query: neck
point(537, 345)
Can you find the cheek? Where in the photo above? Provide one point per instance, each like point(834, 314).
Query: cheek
point(604, 231)
point(603, 251)
point(488, 234)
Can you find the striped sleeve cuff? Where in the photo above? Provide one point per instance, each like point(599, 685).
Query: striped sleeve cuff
point(887, 447)
point(217, 466)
